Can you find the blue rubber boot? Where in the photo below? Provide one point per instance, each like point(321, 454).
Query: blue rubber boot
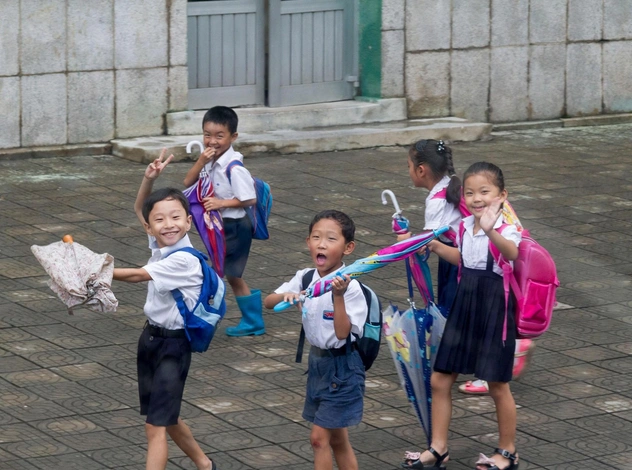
point(251, 322)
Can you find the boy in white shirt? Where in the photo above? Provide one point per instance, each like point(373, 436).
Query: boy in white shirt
point(335, 381)
point(164, 352)
point(231, 195)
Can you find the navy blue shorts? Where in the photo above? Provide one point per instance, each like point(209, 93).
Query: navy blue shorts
point(238, 236)
point(163, 366)
point(335, 390)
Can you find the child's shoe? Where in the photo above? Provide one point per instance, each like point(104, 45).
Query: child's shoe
point(522, 356)
point(474, 387)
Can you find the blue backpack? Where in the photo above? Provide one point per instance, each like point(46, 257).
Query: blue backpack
point(201, 323)
point(260, 212)
point(369, 344)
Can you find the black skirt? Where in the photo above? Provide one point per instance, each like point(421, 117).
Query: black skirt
point(472, 341)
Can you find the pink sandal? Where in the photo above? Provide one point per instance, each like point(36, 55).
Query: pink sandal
point(474, 387)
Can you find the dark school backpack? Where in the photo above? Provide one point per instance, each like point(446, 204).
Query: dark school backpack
point(369, 344)
point(201, 323)
point(260, 212)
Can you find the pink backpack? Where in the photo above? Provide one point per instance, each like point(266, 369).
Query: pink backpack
point(533, 280)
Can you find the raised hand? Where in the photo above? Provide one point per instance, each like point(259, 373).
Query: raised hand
point(491, 214)
point(154, 169)
point(339, 284)
point(207, 155)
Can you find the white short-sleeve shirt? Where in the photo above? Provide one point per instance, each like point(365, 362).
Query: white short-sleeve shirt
point(475, 246)
point(439, 212)
point(178, 271)
point(318, 313)
point(241, 185)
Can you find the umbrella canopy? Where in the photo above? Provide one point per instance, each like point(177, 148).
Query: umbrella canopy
point(209, 224)
point(397, 252)
point(79, 276)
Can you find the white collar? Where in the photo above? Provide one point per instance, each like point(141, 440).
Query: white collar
point(228, 156)
point(167, 250)
point(443, 182)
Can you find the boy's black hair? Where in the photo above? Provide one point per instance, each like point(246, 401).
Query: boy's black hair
point(495, 173)
point(346, 224)
point(222, 115)
point(438, 157)
point(161, 195)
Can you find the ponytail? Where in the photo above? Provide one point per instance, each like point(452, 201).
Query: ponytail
point(453, 191)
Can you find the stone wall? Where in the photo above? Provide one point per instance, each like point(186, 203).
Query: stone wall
point(508, 60)
point(77, 71)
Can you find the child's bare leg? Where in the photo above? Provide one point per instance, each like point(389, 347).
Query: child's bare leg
point(239, 286)
point(441, 414)
point(506, 415)
point(343, 452)
point(320, 439)
point(182, 436)
point(156, 447)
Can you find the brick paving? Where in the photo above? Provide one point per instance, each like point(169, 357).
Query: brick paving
point(67, 383)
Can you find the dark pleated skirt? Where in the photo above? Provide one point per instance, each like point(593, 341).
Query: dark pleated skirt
point(447, 282)
point(472, 341)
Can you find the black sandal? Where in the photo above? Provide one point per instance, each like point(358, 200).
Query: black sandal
point(491, 465)
point(412, 460)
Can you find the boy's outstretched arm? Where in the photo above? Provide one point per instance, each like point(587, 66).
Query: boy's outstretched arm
point(271, 300)
point(131, 275)
point(152, 172)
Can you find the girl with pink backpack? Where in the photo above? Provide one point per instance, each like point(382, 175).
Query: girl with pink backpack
point(480, 332)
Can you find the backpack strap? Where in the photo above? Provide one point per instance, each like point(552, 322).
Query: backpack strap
point(305, 282)
point(509, 278)
point(229, 168)
point(443, 194)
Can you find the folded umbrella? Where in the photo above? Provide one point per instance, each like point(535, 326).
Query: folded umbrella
point(209, 224)
point(396, 252)
point(79, 276)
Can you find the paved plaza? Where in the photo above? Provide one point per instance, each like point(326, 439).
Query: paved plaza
point(68, 396)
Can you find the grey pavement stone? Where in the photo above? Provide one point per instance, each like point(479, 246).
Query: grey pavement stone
point(141, 98)
point(617, 68)
point(428, 84)
point(140, 48)
point(547, 21)
point(90, 35)
point(427, 25)
point(470, 84)
point(10, 109)
point(91, 119)
point(585, 19)
point(470, 23)
point(547, 67)
point(583, 79)
point(42, 50)
point(43, 101)
point(393, 63)
point(67, 383)
point(617, 19)
point(393, 14)
point(508, 96)
point(9, 38)
point(510, 22)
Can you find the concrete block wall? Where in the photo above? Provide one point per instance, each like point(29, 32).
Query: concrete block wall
point(76, 71)
point(508, 60)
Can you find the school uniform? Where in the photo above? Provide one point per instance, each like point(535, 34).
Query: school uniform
point(439, 213)
point(335, 375)
point(472, 342)
point(164, 352)
point(237, 225)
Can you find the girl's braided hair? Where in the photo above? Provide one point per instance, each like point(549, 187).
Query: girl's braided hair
point(438, 157)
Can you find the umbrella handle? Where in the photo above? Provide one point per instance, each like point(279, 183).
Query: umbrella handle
point(195, 142)
point(391, 194)
point(285, 305)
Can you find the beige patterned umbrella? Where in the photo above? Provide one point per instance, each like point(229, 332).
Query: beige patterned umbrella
point(79, 276)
